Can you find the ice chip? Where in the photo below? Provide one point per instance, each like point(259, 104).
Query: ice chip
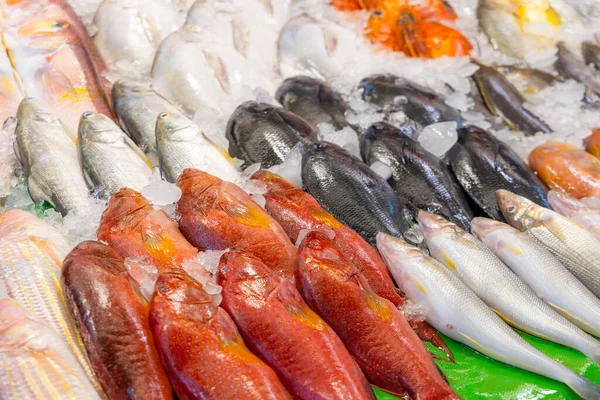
point(159, 192)
point(262, 96)
point(439, 138)
point(210, 259)
point(382, 169)
point(414, 235)
point(259, 199)
point(143, 273)
point(212, 288)
point(303, 232)
point(460, 101)
point(345, 137)
point(291, 168)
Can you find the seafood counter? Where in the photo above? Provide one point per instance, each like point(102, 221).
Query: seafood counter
point(346, 199)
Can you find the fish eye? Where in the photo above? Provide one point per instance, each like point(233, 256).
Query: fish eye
point(510, 208)
point(378, 13)
point(163, 289)
point(87, 114)
point(59, 24)
point(163, 115)
point(313, 244)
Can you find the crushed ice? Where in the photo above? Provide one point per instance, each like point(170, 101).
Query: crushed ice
point(346, 138)
point(291, 168)
point(382, 170)
point(159, 192)
point(144, 274)
point(439, 138)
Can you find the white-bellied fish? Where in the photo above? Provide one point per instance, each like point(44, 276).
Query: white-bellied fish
point(578, 211)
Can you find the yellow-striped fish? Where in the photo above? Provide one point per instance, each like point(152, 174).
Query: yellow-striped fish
point(35, 362)
point(31, 255)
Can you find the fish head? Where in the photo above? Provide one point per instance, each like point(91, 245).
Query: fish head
point(95, 254)
point(125, 211)
point(297, 86)
point(179, 294)
point(125, 87)
point(434, 226)
point(317, 250)
point(242, 273)
point(520, 212)
point(194, 185)
point(394, 249)
point(175, 127)
point(490, 232)
point(48, 32)
point(31, 109)
point(97, 128)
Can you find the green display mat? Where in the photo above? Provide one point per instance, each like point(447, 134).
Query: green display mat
point(475, 376)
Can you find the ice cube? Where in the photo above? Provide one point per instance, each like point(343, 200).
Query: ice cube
point(159, 192)
point(212, 288)
point(210, 259)
point(439, 138)
point(345, 137)
point(291, 168)
point(414, 235)
point(144, 274)
point(382, 169)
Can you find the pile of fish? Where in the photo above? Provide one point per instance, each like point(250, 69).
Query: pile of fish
point(265, 234)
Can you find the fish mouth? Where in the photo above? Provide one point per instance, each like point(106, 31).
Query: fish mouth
point(481, 227)
point(431, 223)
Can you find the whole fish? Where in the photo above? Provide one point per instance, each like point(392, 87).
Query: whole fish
point(137, 107)
point(564, 167)
point(181, 144)
point(421, 180)
point(569, 65)
point(351, 191)
point(368, 324)
point(296, 210)
point(31, 255)
point(218, 215)
point(55, 59)
point(278, 326)
point(105, 307)
point(396, 95)
point(505, 101)
point(200, 347)
point(519, 28)
point(193, 71)
point(314, 100)
point(592, 143)
point(501, 289)
point(580, 212)
point(50, 160)
point(133, 228)
point(111, 161)
point(591, 53)
point(576, 248)
point(452, 308)
point(129, 31)
point(483, 164)
point(262, 133)
point(36, 362)
point(550, 280)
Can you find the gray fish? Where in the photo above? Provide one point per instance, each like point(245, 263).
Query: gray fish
point(351, 191)
point(262, 133)
point(110, 159)
point(569, 65)
point(396, 95)
point(137, 107)
point(421, 180)
point(483, 164)
point(314, 100)
point(591, 53)
point(528, 80)
point(50, 159)
point(505, 101)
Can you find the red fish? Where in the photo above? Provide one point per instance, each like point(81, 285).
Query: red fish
point(283, 331)
point(200, 347)
point(113, 321)
point(436, 10)
point(295, 210)
point(373, 330)
point(218, 215)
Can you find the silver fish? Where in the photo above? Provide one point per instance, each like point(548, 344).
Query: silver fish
point(31, 255)
point(137, 107)
point(498, 287)
point(452, 308)
point(111, 160)
point(583, 214)
point(575, 247)
point(181, 144)
point(50, 159)
point(35, 361)
point(550, 280)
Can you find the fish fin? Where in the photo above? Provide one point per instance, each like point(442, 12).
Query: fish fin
point(236, 347)
point(510, 247)
point(293, 303)
point(137, 150)
point(240, 37)
point(427, 334)
point(570, 316)
point(447, 261)
point(219, 70)
point(403, 396)
point(325, 218)
point(376, 304)
point(158, 244)
point(519, 326)
point(247, 214)
point(36, 192)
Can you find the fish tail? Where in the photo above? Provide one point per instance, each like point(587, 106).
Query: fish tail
point(427, 334)
point(583, 387)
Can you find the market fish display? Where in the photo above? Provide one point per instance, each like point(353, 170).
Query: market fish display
point(505, 101)
point(181, 144)
point(137, 108)
point(452, 308)
point(218, 215)
point(50, 160)
point(55, 59)
point(314, 100)
point(501, 289)
point(570, 65)
point(483, 164)
point(31, 255)
point(550, 280)
point(285, 333)
point(36, 362)
point(586, 216)
point(111, 160)
point(566, 168)
point(105, 307)
point(262, 133)
point(369, 325)
point(398, 96)
point(351, 191)
point(420, 179)
point(296, 211)
point(575, 247)
point(199, 345)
